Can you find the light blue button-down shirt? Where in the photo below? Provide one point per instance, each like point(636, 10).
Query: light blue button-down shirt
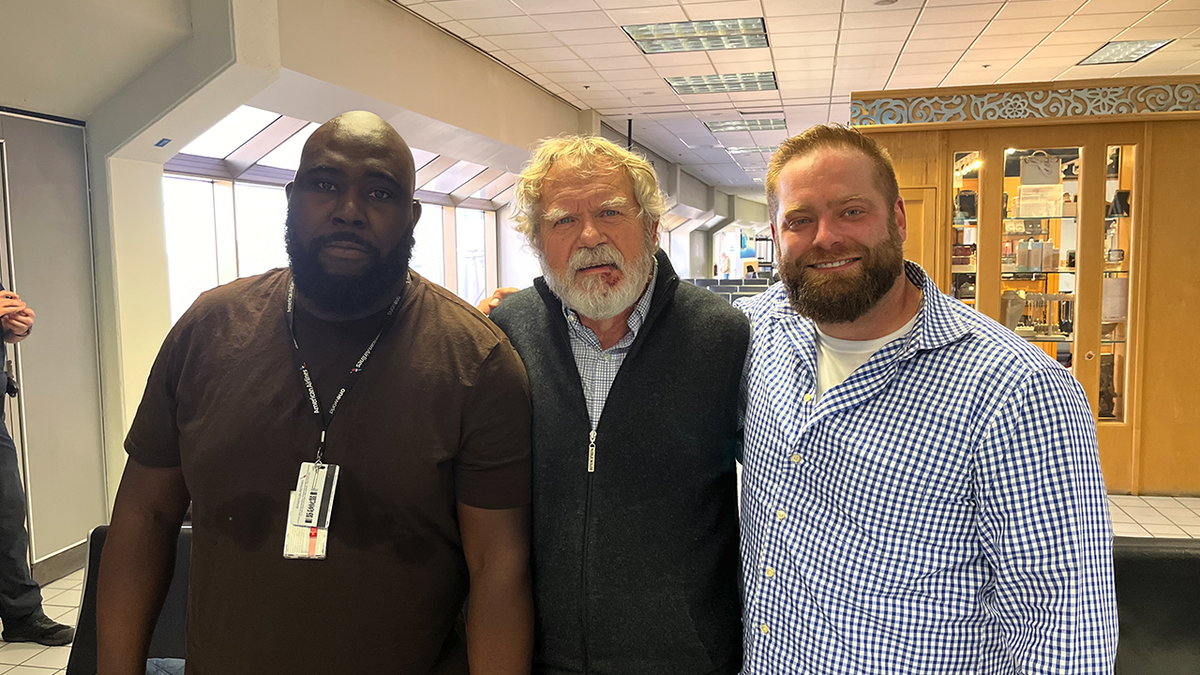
point(942, 510)
point(598, 367)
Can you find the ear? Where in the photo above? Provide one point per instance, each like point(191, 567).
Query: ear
point(775, 237)
point(654, 236)
point(901, 218)
point(416, 211)
point(287, 189)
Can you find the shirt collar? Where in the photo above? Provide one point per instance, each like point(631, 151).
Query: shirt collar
point(640, 310)
point(939, 319)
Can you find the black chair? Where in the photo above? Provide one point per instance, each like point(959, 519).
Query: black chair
point(1158, 605)
point(756, 282)
point(706, 282)
point(169, 632)
point(724, 288)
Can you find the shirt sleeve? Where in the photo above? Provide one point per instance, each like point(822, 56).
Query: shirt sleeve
point(153, 438)
point(1044, 527)
point(493, 468)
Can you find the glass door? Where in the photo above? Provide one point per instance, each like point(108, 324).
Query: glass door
point(964, 253)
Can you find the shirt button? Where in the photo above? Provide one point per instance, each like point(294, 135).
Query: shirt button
point(607, 356)
point(796, 458)
point(807, 398)
point(770, 572)
point(781, 514)
point(764, 629)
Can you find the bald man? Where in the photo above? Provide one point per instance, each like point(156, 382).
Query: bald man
point(354, 442)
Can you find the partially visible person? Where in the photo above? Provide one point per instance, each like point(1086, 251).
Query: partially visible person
point(354, 441)
point(922, 490)
point(20, 597)
point(635, 379)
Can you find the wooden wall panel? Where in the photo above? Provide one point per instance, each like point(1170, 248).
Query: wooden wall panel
point(1169, 441)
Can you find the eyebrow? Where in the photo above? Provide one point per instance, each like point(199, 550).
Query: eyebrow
point(374, 173)
point(559, 212)
point(831, 203)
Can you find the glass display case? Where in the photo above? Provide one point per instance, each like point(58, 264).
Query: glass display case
point(965, 226)
point(1115, 300)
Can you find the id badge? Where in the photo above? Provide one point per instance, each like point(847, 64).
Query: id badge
point(300, 542)
point(315, 489)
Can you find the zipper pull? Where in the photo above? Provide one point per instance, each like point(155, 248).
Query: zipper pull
point(592, 452)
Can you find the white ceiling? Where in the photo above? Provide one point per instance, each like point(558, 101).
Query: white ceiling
point(821, 50)
point(65, 57)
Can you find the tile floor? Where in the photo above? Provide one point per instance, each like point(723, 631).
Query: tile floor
point(1177, 517)
point(1173, 517)
point(60, 599)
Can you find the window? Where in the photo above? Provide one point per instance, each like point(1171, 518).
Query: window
point(429, 259)
point(260, 212)
point(190, 225)
point(470, 245)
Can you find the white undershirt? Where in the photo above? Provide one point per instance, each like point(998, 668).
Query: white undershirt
point(837, 359)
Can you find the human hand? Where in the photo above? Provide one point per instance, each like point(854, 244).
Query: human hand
point(10, 302)
point(20, 322)
point(487, 304)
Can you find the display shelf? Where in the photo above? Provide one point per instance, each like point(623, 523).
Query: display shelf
point(1041, 218)
point(963, 269)
point(1007, 275)
point(1112, 272)
point(1046, 338)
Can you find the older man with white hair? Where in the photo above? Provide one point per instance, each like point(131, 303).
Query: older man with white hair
point(635, 379)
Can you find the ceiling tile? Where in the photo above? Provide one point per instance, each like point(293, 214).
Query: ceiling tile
point(1193, 69)
point(625, 17)
point(873, 6)
point(765, 96)
point(741, 56)
point(459, 29)
point(922, 58)
point(1186, 17)
point(1075, 37)
point(996, 56)
point(432, 13)
point(484, 44)
point(928, 31)
point(827, 37)
point(478, 9)
point(618, 62)
point(957, 79)
point(685, 71)
point(557, 22)
point(793, 8)
point(924, 69)
point(592, 36)
point(1022, 76)
point(572, 65)
point(679, 59)
point(1096, 21)
point(809, 52)
point(963, 3)
point(1019, 27)
point(839, 113)
point(799, 67)
point(977, 12)
point(1001, 41)
point(1033, 9)
point(913, 82)
point(804, 79)
point(1114, 6)
point(659, 99)
point(949, 44)
point(803, 24)
point(1080, 52)
point(703, 98)
point(862, 35)
point(866, 61)
point(1149, 68)
point(552, 6)
point(886, 19)
point(1174, 5)
point(526, 41)
point(870, 49)
point(1091, 72)
point(524, 68)
point(762, 66)
point(1047, 62)
point(1155, 32)
point(730, 9)
point(588, 77)
point(505, 26)
point(806, 114)
point(631, 74)
point(606, 50)
point(625, 4)
point(542, 54)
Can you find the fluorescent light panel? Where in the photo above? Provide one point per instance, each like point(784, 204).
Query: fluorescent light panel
point(694, 36)
point(1128, 51)
point(746, 150)
point(747, 125)
point(723, 84)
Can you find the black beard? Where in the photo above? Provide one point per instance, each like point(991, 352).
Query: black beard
point(842, 300)
point(345, 294)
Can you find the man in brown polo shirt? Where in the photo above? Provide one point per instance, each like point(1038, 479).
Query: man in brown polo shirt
point(345, 364)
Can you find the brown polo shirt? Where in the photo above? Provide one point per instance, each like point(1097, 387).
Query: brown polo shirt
point(439, 415)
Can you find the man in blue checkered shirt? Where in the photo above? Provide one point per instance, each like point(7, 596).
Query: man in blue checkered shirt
point(922, 490)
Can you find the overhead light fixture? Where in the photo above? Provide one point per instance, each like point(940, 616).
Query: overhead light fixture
point(1127, 51)
point(749, 149)
point(723, 84)
point(747, 125)
point(694, 36)
point(1009, 151)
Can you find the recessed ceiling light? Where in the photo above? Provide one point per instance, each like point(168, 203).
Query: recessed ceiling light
point(694, 36)
point(1127, 51)
point(713, 84)
point(883, 3)
point(747, 125)
point(746, 150)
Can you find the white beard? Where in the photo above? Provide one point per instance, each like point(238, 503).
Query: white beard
point(591, 296)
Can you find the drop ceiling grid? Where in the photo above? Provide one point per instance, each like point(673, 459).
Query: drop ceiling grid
point(820, 50)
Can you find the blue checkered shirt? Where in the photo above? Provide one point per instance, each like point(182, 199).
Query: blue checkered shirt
point(598, 367)
point(940, 511)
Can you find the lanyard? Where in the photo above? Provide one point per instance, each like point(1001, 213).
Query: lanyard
point(325, 420)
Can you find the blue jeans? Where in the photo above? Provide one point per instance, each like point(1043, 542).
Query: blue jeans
point(164, 667)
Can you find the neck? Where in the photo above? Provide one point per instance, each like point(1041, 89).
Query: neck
point(610, 331)
point(893, 310)
point(383, 303)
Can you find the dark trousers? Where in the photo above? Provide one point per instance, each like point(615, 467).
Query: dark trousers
point(20, 597)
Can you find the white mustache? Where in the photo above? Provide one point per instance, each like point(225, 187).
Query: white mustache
point(600, 255)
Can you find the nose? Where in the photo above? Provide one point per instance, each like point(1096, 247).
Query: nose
point(349, 211)
point(590, 235)
point(829, 234)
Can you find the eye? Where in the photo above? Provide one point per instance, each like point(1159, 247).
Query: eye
point(797, 222)
point(324, 186)
point(380, 194)
point(854, 211)
point(608, 213)
point(565, 220)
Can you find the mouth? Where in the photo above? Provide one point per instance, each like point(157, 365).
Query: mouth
point(604, 268)
point(834, 265)
point(345, 250)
